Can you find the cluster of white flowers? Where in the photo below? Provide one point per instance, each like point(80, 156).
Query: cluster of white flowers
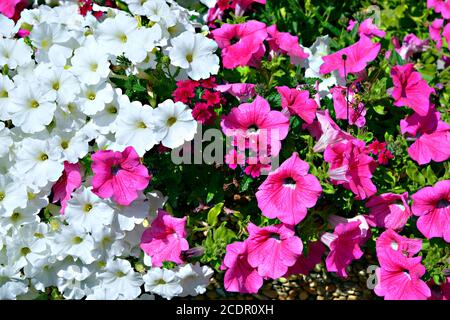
point(58, 104)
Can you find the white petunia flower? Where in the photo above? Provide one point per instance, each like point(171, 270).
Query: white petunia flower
point(38, 162)
point(12, 283)
point(25, 248)
point(163, 282)
point(75, 281)
point(158, 10)
point(13, 194)
point(320, 48)
point(45, 35)
point(108, 243)
point(86, 210)
point(93, 99)
point(195, 53)
point(134, 125)
point(6, 86)
point(194, 279)
point(69, 117)
point(88, 67)
point(74, 145)
point(7, 27)
point(121, 279)
point(31, 107)
point(105, 120)
point(137, 6)
point(133, 214)
point(5, 140)
point(141, 42)
point(113, 33)
point(76, 242)
point(173, 123)
point(18, 217)
point(62, 82)
point(14, 53)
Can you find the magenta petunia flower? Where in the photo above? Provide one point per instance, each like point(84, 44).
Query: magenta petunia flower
point(399, 279)
point(241, 44)
point(119, 175)
point(356, 110)
point(165, 239)
point(432, 206)
point(67, 183)
point(285, 43)
point(256, 121)
point(289, 191)
point(440, 6)
point(369, 29)
point(388, 210)
point(344, 244)
point(12, 8)
point(390, 243)
point(410, 89)
point(431, 135)
point(326, 131)
point(240, 276)
point(358, 55)
point(298, 102)
point(446, 32)
point(273, 249)
point(352, 167)
point(435, 29)
point(305, 263)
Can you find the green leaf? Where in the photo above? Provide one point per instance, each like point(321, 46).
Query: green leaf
point(214, 213)
point(380, 110)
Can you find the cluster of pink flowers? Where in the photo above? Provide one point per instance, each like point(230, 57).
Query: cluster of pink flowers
point(258, 129)
point(380, 150)
point(203, 96)
point(268, 253)
point(243, 44)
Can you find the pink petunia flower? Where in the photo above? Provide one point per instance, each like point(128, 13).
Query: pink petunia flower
point(119, 175)
point(285, 43)
point(410, 89)
point(356, 110)
point(69, 181)
point(431, 137)
point(298, 102)
point(352, 167)
point(399, 279)
point(273, 249)
point(344, 244)
point(240, 276)
point(305, 263)
point(411, 44)
point(256, 121)
point(435, 29)
point(242, 91)
point(390, 243)
point(388, 210)
point(234, 158)
point(326, 131)
point(369, 29)
point(432, 206)
point(241, 44)
point(440, 6)
point(289, 191)
point(165, 239)
point(358, 55)
point(446, 33)
point(12, 8)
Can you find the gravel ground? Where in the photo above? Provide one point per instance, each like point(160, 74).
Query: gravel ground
point(318, 285)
